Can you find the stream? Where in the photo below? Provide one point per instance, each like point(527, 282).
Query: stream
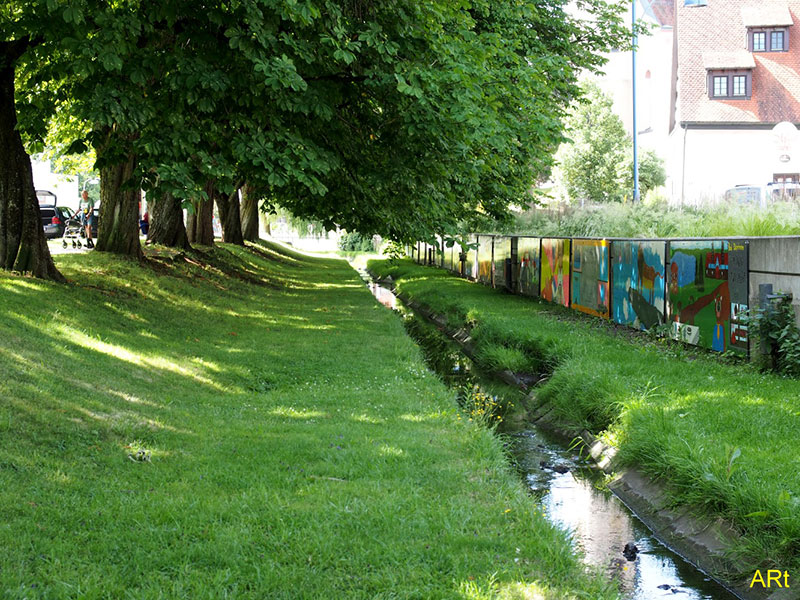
point(569, 488)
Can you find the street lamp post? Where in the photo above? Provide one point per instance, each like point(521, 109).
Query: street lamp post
point(635, 126)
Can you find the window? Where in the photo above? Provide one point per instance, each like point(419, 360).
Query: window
point(776, 41)
point(768, 40)
point(739, 85)
point(730, 85)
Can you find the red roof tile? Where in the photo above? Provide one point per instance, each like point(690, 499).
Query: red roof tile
point(719, 28)
point(663, 10)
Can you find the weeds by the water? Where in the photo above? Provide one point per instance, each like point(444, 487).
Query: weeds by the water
point(724, 437)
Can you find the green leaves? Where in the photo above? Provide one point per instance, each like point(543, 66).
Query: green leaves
point(406, 118)
point(71, 14)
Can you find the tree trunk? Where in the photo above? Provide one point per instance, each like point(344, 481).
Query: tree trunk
point(22, 243)
point(201, 222)
point(229, 217)
point(249, 214)
point(166, 223)
point(118, 228)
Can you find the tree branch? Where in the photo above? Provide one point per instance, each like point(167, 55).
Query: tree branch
point(10, 52)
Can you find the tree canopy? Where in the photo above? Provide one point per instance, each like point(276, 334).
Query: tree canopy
point(402, 118)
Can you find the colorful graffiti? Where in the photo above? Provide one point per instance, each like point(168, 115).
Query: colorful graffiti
point(502, 251)
point(707, 285)
point(471, 262)
point(554, 283)
point(451, 257)
point(637, 270)
point(528, 257)
point(590, 277)
point(485, 266)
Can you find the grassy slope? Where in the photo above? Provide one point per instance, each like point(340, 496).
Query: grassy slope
point(679, 415)
point(299, 448)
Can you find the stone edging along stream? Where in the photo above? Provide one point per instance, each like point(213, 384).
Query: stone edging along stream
point(702, 541)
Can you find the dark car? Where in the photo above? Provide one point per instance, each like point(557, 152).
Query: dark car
point(53, 217)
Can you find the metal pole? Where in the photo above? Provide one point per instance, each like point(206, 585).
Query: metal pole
point(635, 126)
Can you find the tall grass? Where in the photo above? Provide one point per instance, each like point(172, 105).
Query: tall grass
point(722, 438)
point(659, 220)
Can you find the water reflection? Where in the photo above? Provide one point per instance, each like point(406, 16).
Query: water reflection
point(570, 489)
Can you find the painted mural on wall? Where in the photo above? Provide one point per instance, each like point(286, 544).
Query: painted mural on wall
point(471, 263)
point(449, 257)
point(590, 277)
point(528, 256)
point(502, 251)
point(638, 273)
point(554, 283)
point(441, 253)
point(485, 266)
point(707, 288)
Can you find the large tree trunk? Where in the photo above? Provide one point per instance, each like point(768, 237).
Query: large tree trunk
point(166, 223)
point(22, 243)
point(118, 229)
point(229, 217)
point(200, 229)
point(249, 214)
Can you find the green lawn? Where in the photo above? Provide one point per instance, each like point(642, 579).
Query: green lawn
point(724, 438)
point(294, 444)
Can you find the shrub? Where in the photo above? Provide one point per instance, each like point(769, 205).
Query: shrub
point(356, 242)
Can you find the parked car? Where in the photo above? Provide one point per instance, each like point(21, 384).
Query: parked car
point(53, 217)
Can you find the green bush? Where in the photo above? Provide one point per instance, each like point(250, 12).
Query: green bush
point(356, 242)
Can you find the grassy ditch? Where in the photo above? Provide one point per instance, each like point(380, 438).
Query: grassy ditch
point(723, 437)
point(246, 423)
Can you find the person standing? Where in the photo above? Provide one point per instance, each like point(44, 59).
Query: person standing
point(86, 209)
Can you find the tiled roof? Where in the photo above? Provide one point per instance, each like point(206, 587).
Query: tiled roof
point(663, 10)
point(718, 28)
point(766, 15)
point(737, 59)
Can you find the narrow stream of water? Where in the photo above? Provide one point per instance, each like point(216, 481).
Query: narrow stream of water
point(568, 487)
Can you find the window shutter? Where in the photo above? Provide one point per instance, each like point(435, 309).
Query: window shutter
point(749, 85)
point(710, 84)
point(785, 40)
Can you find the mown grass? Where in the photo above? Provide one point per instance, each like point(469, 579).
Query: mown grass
point(723, 437)
point(294, 445)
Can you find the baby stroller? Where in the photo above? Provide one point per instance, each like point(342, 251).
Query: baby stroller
point(73, 230)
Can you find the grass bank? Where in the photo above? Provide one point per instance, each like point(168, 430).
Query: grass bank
point(723, 437)
point(246, 423)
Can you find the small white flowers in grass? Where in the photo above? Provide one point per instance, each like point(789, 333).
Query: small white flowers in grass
point(138, 452)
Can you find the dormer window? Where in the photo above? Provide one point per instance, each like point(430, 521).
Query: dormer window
point(730, 75)
point(767, 26)
point(768, 40)
point(729, 85)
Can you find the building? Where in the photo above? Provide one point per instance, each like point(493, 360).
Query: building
point(654, 76)
point(736, 96)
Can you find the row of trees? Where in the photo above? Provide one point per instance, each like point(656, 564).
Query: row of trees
point(401, 118)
